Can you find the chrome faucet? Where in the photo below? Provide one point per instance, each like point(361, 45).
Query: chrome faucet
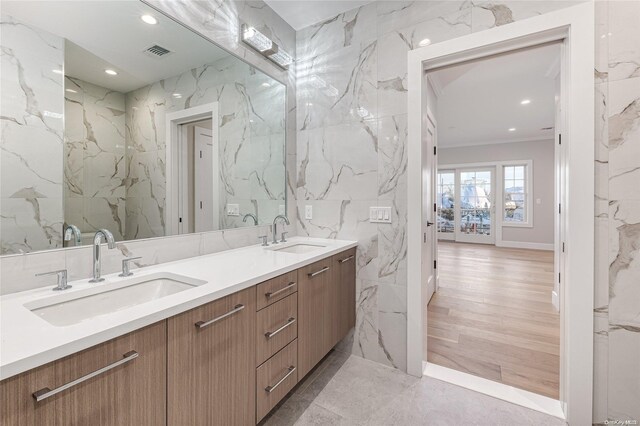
point(74, 231)
point(252, 216)
point(97, 260)
point(275, 225)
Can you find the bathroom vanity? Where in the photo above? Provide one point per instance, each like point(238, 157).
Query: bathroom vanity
point(224, 351)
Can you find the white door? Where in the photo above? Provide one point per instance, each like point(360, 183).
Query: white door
point(429, 170)
point(474, 207)
point(205, 179)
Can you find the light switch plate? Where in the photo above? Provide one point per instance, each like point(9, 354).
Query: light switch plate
point(380, 214)
point(308, 212)
point(233, 209)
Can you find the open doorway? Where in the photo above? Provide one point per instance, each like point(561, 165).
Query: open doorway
point(491, 311)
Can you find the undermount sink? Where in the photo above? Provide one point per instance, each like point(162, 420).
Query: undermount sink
point(75, 307)
point(299, 248)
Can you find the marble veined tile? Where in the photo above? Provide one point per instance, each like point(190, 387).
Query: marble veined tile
point(624, 43)
point(624, 373)
point(488, 14)
point(624, 139)
point(395, 15)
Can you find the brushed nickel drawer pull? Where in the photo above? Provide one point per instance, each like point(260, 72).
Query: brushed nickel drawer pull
point(313, 274)
point(45, 393)
point(346, 259)
point(236, 309)
point(283, 289)
point(290, 371)
point(270, 334)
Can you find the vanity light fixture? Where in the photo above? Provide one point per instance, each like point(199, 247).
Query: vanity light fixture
point(148, 19)
point(512, 129)
point(110, 71)
point(424, 42)
point(525, 102)
point(265, 46)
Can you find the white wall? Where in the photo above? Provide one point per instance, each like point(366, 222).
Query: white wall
point(541, 153)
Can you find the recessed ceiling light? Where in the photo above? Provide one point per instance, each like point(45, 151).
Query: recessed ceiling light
point(265, 84)
point(55, 71)
point(512, 129)
point(111, 72)
point(71, 91)
point(177, 95)
point(424, 42)
point(148, 19)
point(525, 102)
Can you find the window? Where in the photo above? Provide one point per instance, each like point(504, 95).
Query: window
point(445, 202)
point(516, 208)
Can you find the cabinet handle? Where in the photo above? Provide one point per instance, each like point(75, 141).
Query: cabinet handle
point(45, 393)
point(270, 334)
point(346, 259)
point(285, 288)
point(203, 324)
point(313, 274)
point(290, 371)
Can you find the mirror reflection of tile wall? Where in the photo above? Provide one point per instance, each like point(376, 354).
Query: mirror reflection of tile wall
point(77, 152)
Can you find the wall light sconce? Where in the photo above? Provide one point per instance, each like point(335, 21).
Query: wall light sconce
point(265, 46)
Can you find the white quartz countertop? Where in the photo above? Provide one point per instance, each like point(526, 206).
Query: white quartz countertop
point(28, 341)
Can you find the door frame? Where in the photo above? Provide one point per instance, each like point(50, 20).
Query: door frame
point(574, 27)
point(173, 136)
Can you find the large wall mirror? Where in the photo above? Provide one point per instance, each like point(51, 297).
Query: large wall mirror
point(114, 116)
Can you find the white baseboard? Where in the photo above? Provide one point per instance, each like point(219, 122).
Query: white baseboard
point(525, 245)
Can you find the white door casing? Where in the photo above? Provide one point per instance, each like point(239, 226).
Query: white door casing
point(207, 211)
point(429, 170)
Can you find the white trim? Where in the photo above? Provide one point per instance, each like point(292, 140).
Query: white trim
point(529, 200)
point(525, 245)
point(497, 390)
point(173, 122)
point(450, 145)
point(574, 27)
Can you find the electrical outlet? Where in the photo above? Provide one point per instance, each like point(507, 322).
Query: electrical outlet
point(308, 212)
point(380, 214)
point(233, 209)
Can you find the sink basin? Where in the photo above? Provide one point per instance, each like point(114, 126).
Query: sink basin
point(73, 308)
point(299, 248)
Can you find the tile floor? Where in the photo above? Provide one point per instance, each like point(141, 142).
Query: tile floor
point(349, 390)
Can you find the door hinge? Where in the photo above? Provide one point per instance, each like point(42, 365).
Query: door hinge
point(200, 154)
point(424, 238)
point(559, 208)
point(180, 220)
point(200, 205)
point(434, 150)
point(560, 139)
point(435, 208)
point(558, 277)
point(435, 264)
point(563, 247)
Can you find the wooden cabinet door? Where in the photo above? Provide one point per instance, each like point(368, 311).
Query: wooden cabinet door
point(315, 325)
point(211, 363)
point(345, 282)
point(130, 388)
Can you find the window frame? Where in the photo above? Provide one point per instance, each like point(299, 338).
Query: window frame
point(528, 199)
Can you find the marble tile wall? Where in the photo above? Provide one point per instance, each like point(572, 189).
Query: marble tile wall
point(351, 125)
point(31, 188)
point(251, 110)
point(94, 158)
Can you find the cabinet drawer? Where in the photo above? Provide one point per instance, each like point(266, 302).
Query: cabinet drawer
point(275, 378)
point(277, 325)
point(118, 382)
point(276, 289)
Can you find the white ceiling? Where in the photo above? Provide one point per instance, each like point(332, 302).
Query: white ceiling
point(110, 34)
point(302, 13)
point(479, 101)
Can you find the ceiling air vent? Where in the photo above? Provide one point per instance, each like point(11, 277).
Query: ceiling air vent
point(157, 51)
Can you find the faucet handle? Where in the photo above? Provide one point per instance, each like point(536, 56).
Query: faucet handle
point(264, 239)
point(62, 278)
point(126, 272)
point(284, 239)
